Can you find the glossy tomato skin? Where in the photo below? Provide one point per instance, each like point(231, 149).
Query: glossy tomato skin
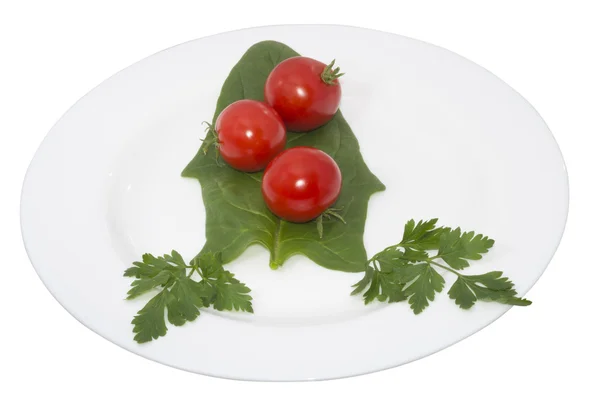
point(250, 134)
point(301, 183)
point(303, 100)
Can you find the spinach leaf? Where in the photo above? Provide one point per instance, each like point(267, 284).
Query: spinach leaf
point(236, 215)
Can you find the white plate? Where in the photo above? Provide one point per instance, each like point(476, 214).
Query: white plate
point(448, 138)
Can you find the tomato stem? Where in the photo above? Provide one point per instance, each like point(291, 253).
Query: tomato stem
point(330, 213)
point(211, 138)
point(330, 74)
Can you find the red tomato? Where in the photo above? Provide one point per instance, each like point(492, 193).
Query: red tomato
point(301, 183)
point(250, 134)
point(304, 92)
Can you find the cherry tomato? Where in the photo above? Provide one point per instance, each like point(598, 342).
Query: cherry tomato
point(301, 183)
point(250, 134)
point(304, 92)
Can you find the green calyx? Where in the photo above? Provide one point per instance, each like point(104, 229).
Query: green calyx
point(211, 139)
point(330, 74)
point(330, 213)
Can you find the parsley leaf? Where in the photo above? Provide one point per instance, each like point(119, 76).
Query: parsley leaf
point(414, 255)
point(149, 267)
point(186, 300)
point(407, 271)
point(228, 293)
point(487, 287)
point(361, 285)
point(153, 272)
point(150, 322)
point(456, 248)
point(180, 295)
point(232, 295)
point(209, 265)
point(423, 287)
point(422, 235)
point(381, 287)
point(142, 285)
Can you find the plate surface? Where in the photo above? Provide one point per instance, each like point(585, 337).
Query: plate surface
point(448, 138)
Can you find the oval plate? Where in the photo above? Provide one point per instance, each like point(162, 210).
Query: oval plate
point(448, 138)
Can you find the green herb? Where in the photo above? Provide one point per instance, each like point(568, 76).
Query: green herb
point(236, 216)
point(407, 271)
point(181, 295)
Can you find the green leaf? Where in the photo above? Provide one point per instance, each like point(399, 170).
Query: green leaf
point(187, 298)
point(206, 292)
point(390, 289)
point(148, 268)
point(487, 287)
point(406, 271)
point(225, 291)
point(181, 295)
point(461, 294)
point(236, 215)
point(210, 264)
point(423, 287)
point(415, 255)
point(149, 323)
point(382, 286)
point(232, 295)
point(387, 282)
point(374, 290)
point(153, 272)
point(387, 259)
point(394, 257)
point(175, 258)
point(422, 235)
point(413, 232)
point(362, 284)
point(456, 248)
point(143, 285)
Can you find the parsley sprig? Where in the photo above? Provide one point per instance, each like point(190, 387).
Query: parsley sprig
point(407, 271)
point(181, 293)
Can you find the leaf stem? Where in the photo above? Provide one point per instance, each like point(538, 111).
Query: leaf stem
point(401, 244)
point(430, 260)
point(274, 263)
point(191, 272)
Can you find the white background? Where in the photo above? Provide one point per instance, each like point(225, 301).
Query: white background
point(53, 52)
